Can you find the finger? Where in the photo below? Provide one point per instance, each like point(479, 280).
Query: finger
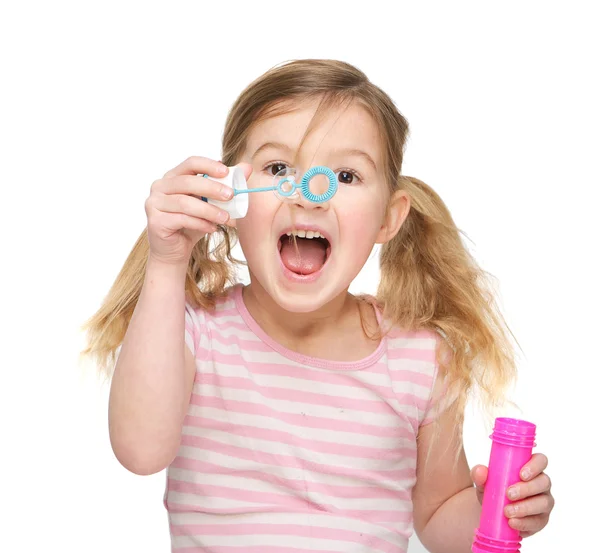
point(198, 165)
point(194, 207)
point(195, 185)
point(193, 225)
point(538, 505)
point(536, 465)
point(232, 223)
point(529, 525)
point(540, 484)
point(479, 475)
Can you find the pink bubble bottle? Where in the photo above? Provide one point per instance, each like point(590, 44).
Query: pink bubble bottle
point(512, 444)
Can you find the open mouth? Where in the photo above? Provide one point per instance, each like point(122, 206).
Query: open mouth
point(304, 252)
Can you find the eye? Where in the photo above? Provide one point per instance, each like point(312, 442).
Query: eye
point(274, 168)
point(348, 176)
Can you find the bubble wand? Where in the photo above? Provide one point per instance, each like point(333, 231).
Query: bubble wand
point(286, 188)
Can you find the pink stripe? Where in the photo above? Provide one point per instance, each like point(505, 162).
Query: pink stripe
point(369, 476)
point(218, 324)
point(319, 446)
point(413, 354)
point(403, 375)
point(288, 531)
point(282, 501)
point(244, 345)
point(396, 490)
point(249, 549)
point(300, 372)
point(306, 421)
point(173, 507)
point(375, 405)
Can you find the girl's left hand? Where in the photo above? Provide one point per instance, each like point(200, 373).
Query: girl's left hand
point(533, 501)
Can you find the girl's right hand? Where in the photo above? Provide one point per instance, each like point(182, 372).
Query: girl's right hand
point(177, 219)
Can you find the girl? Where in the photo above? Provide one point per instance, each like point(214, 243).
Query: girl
point(291, 415)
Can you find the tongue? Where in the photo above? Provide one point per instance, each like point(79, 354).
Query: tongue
point(307, 258)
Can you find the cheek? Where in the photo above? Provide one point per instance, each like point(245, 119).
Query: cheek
point(256, 225)
point(361, 239)
point(362, 220)
point(248, 230)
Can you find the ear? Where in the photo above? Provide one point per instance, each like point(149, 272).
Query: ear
point(395, 216)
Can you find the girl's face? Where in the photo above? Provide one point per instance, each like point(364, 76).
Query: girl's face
point(306, 277)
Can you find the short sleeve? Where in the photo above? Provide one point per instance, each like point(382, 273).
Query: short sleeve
point(440, 398)
point(436, 402)
point(197, 336)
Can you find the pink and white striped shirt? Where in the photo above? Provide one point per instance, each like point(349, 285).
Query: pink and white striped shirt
point(283, 453)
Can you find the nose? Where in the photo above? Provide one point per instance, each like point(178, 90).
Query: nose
point(318, 187)
point(304, 203)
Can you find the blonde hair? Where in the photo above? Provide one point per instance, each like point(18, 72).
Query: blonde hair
point(428, 278)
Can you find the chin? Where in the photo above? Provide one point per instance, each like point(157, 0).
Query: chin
point(294, 303)
point(305, 298)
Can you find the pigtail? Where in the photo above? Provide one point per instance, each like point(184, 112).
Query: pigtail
point(210, 271)
point(429, 280)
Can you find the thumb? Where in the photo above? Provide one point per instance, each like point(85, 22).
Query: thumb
point(479, 474)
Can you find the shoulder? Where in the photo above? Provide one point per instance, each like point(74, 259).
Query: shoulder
point(420, 343)
point(414, 367)
point(413, 358)
point(221, 306)
point(417, 345)
point(201, 322)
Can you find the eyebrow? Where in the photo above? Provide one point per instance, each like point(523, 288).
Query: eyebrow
point(346, 151)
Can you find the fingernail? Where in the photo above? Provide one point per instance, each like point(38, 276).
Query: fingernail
point(513, 493)
point(226, 192)
point(526, 474)
point(223, 168)
point(223, 216)
point(511, 511)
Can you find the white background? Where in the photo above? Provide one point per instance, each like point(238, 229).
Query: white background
point(99, 99)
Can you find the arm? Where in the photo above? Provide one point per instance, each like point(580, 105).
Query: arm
point(154, 375)
point(446, 507)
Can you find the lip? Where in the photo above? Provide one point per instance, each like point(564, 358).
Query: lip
point(295, 277)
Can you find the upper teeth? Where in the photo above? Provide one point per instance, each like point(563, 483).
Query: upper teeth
point(305, 233)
